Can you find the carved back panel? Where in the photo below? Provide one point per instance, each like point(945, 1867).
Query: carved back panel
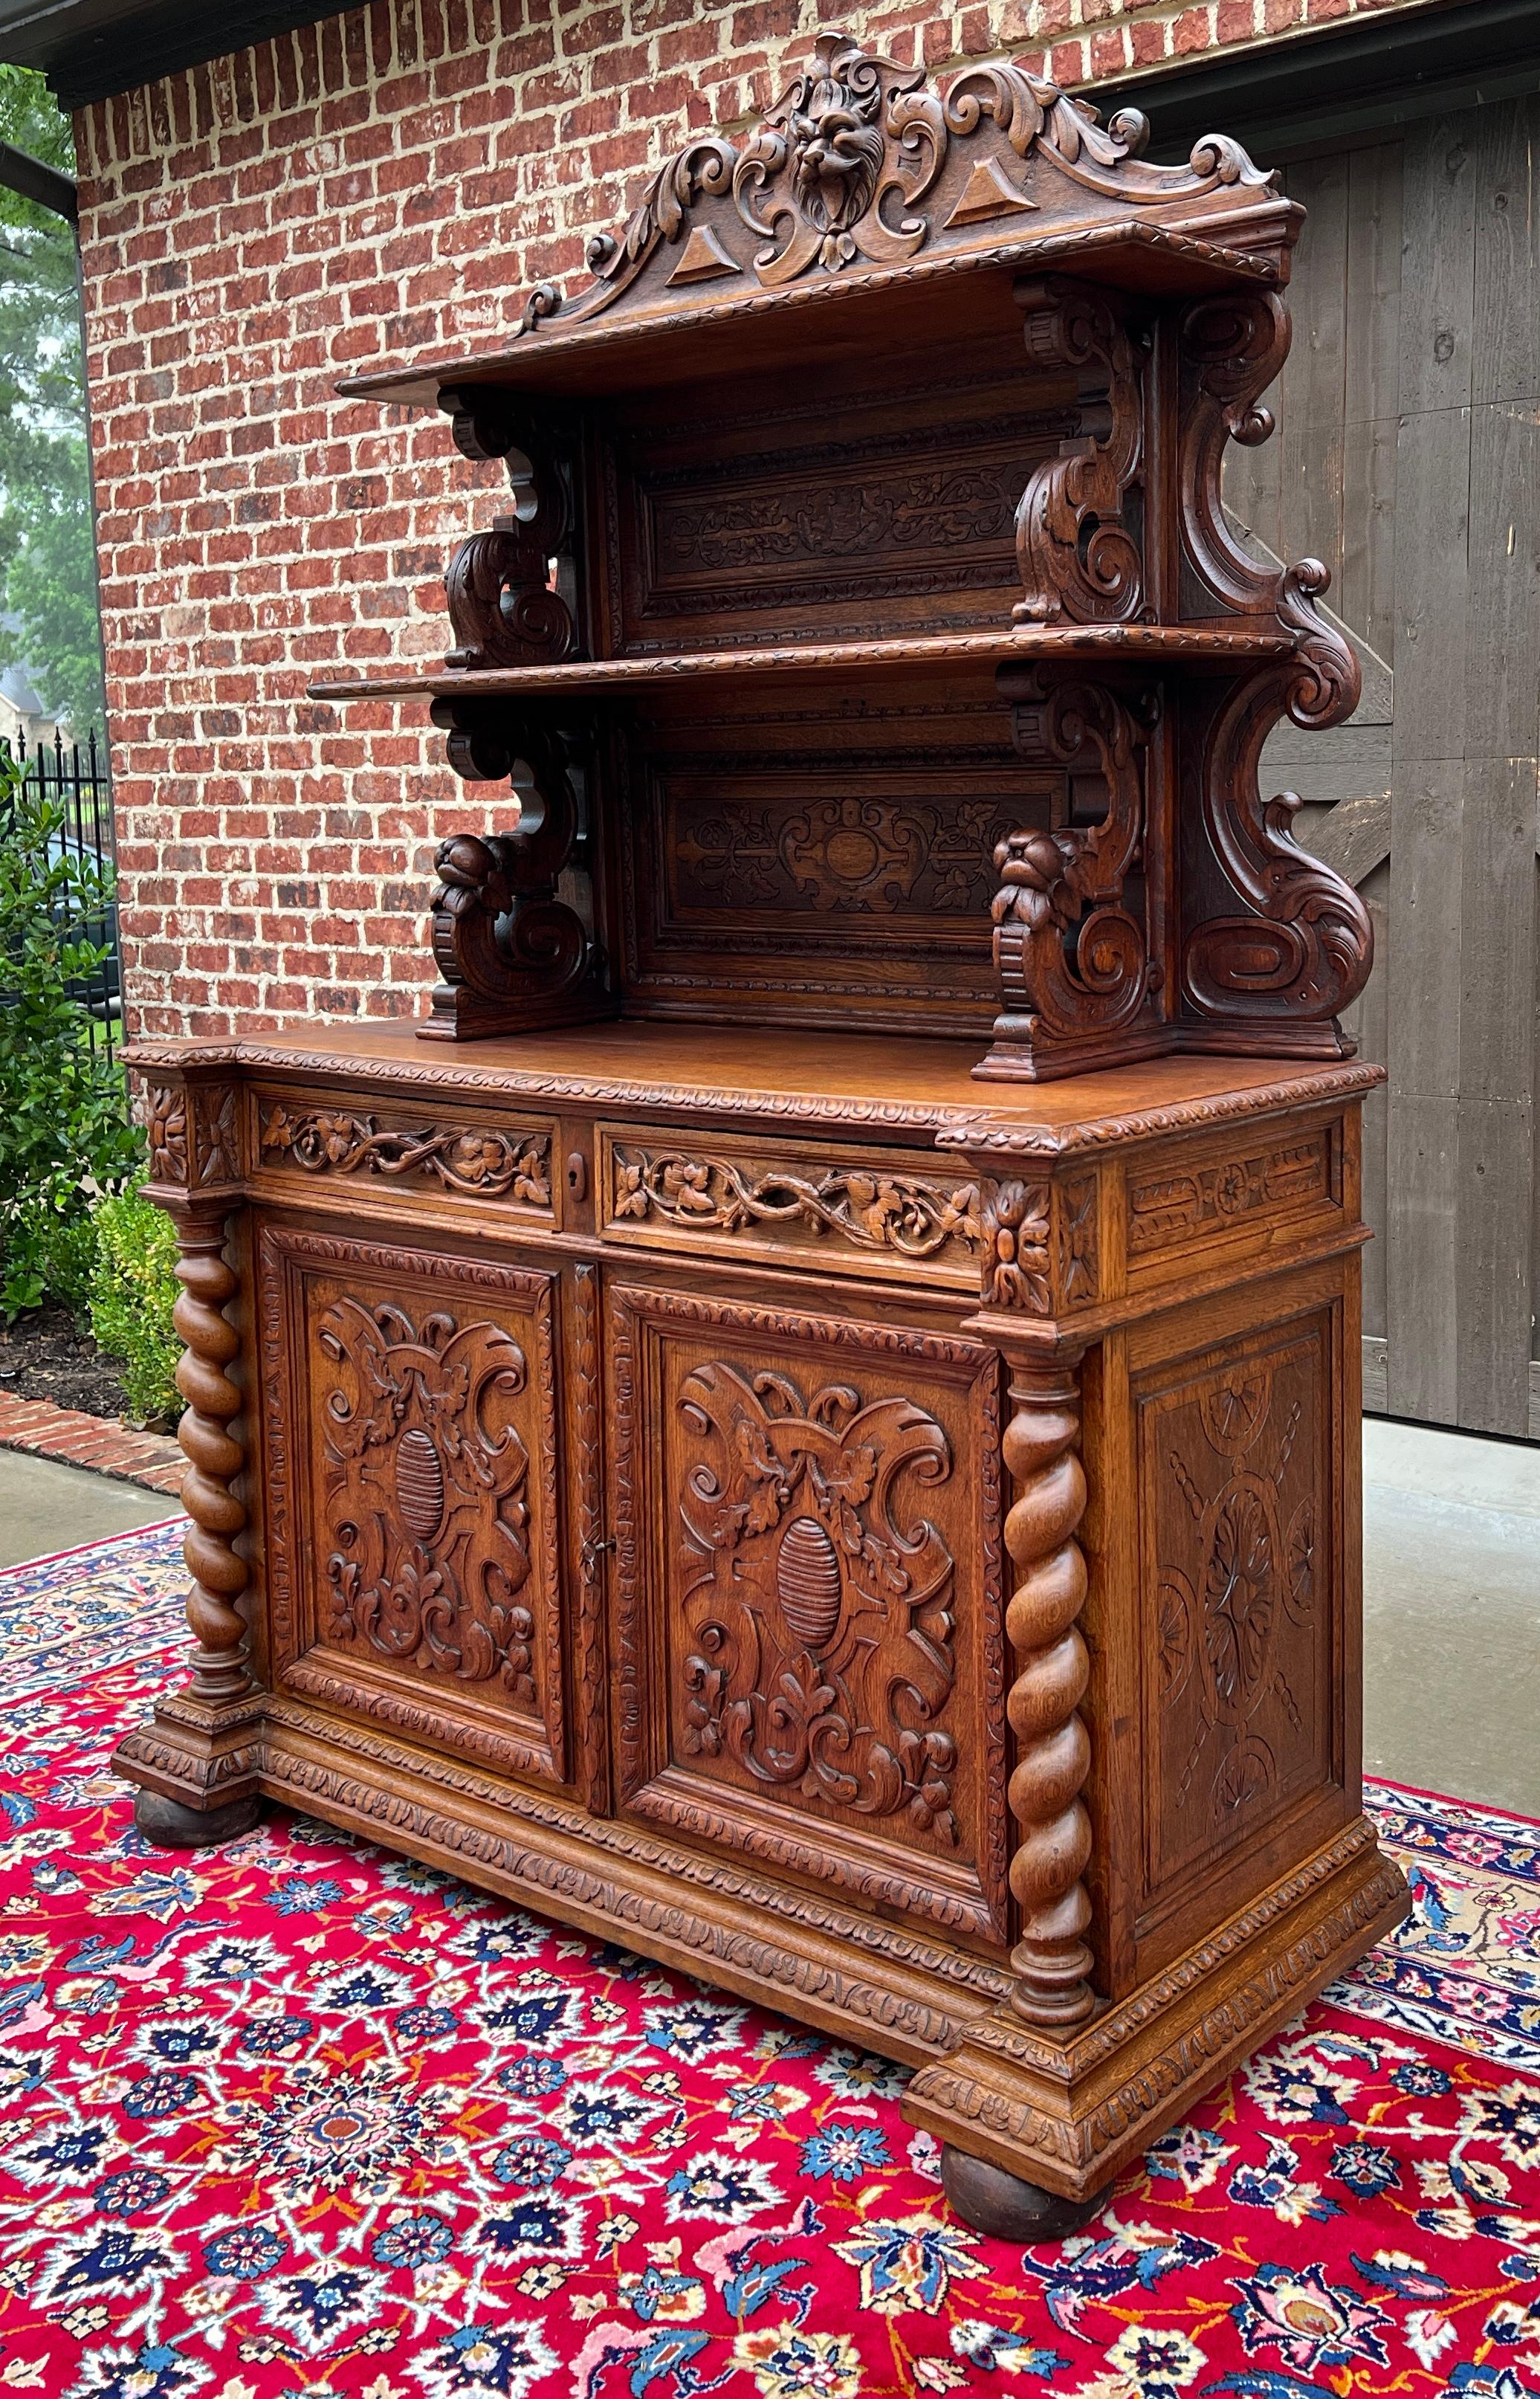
point(413, 1535)
point(830, 508)
point(821, 864)
point(808, 1623)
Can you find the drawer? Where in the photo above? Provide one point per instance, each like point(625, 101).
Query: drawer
point(439, 1150)
point(791, 1203)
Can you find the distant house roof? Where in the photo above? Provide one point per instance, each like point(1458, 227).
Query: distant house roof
point(16, 686)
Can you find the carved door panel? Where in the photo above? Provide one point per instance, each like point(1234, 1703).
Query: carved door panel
point(413, 1560)
point(809, 1616)
point(1242, 1590)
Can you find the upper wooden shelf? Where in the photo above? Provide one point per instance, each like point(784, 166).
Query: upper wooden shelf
point(868, 216)
point(928, 301)
point(1193, 647)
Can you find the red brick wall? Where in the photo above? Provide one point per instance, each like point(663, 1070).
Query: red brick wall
point(388, 181)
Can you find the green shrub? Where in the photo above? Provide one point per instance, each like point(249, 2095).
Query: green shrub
point(64, 1133)
point(133, 1291)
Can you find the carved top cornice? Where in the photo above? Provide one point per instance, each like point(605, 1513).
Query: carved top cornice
point(862, 171)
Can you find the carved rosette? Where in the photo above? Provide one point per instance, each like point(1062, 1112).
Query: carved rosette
point(1078, 529)
point(1072, 960)
point(1051, 1959)
point(1276, 971)
point(513, 955)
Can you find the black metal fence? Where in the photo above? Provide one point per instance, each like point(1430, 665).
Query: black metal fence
point(75, 778)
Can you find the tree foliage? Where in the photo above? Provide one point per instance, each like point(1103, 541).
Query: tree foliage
point(48, 567)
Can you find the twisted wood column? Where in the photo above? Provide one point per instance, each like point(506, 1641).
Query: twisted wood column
point(1051, 1959)
point(214, 1458)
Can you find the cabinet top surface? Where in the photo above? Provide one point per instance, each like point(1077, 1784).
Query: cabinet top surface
point(850, 1081)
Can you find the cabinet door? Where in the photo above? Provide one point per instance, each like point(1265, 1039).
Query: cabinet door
point(808, 1636)
point(414, 1551)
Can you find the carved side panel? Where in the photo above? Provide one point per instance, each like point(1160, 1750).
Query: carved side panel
point(808, 1612)
point(1238, 1509)
point(422, 1538)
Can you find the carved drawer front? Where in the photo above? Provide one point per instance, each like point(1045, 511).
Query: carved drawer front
point(1241, 1579)
point(1252, 1186)
point(436, 1150)
point(791, 1203)
point(414, 1563)
point(807, 1597)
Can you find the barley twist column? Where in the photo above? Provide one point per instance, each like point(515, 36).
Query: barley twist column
point(214, 1457)
point(1051, 1959)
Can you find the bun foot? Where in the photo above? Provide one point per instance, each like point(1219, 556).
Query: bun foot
point(171, 1826)
point(1007, 2208)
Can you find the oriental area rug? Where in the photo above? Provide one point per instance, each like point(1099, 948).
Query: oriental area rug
point(299, 2117)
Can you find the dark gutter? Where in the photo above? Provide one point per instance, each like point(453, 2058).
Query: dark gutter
point(1368, 74)
point(89, 49)
point(20, 171)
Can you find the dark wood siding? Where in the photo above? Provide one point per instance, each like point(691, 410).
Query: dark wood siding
point(1408, 460)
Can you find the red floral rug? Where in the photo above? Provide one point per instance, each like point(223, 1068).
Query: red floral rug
point(301, 2117)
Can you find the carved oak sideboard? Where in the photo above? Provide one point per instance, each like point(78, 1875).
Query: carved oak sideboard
point(810, 1426)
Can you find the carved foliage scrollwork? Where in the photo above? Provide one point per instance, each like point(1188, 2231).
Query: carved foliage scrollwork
point(1302, 950)
point(193, 1133)
point(818, 1603)
point(1072, 961)
point(424, 1481)
point(1077, 543)
point(502, 604)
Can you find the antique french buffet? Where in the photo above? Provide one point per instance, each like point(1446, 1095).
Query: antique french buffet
point(804, 1419)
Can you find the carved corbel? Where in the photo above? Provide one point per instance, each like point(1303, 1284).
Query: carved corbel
point(1273, 973)
point(505, 609)
point(1079, 532)
point(514, 955)
point(1072, 961)
point(196, 1761)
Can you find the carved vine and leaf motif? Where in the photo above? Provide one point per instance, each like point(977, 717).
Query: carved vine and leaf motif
point(873, 1209)
point(1238, 1640)
point(836, 175)
point(1072, 961)
point(511, 952)
point(425, 1479)
point(1301, 948)
point(476, 1160)
point(818, 1603)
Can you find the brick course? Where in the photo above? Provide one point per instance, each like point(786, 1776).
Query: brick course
point(391, 180)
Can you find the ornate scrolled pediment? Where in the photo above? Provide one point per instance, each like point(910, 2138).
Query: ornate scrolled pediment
point(861, 165)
